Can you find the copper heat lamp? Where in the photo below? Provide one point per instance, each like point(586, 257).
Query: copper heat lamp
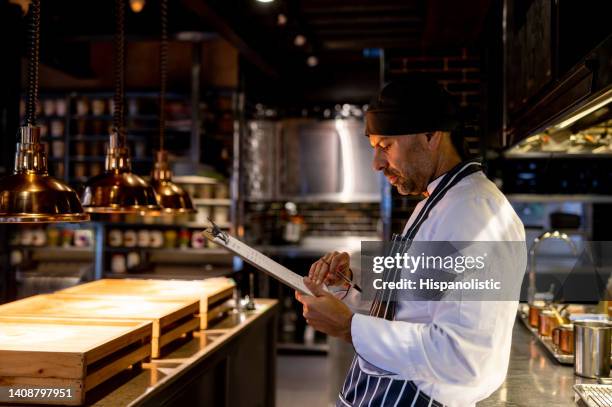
point(30, 194)
point(118, 189)
point(172, 198)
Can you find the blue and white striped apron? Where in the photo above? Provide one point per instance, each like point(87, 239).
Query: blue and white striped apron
point(363, 389)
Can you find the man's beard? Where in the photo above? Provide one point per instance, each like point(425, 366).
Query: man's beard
point(405, 187)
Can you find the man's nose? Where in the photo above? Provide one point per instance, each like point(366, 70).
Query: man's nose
point(378, 162)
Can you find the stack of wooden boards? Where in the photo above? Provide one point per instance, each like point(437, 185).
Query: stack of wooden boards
point(79, 337)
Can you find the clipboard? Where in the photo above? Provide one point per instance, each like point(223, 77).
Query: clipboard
point(256, 258)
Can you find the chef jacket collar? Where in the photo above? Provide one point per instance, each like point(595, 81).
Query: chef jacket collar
point(433, 184)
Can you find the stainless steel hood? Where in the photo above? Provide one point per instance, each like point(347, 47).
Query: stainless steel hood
point(309, 160)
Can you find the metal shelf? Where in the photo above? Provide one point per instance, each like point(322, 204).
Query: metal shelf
point(59, 252)
point(101, 158)
point(212, 201)
point(559, 198)
point(174, 250)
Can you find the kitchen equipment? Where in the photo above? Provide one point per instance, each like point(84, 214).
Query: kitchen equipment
point(595, 395)
point(49, 107)
point(563, 338)
point(83, 238)
point(547, 322)
point(170, 196)
point(118, 189)
point(53, 236)
point(184, 238)
point(589, 317)
point(57, 148)
point(592, 348)
point(157, 239)
point(533, 252)
point(82, 106)
point(98, 107)
point(130, 238)
point(198, 241)
point(80, 170)
point(39, 237)
point(144, 238)
point(67, 237)
point(115, 238)
point(58, 353)
point(57, 128)
point(133, 260)
point(118, 263)
point(170, 237)
point(534, 313)
point(60, 107)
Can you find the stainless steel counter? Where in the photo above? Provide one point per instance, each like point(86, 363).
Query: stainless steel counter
point(534, 378)
point(151, 384)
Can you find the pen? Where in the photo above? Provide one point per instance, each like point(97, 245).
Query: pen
point(346, 279)
point(349, 282)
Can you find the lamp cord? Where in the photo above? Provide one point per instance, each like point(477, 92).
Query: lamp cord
point(119, 74)
point(33, 63)
point(163, 69)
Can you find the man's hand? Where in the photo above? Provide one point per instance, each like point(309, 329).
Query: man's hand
point(327, 269)
point(324, 312)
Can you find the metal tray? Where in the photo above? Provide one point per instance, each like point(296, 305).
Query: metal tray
point(563, 358)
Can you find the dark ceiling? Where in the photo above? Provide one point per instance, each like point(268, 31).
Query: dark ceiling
point(336, 31)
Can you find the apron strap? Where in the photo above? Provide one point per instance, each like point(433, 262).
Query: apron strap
point(384, 304)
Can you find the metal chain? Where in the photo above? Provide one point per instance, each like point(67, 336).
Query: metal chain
point(119, 71)
point(163, 69)
point(33, 64)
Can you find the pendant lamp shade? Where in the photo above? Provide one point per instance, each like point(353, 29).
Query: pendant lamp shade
point(30, 194)
point(118, 189)
point(172, 198)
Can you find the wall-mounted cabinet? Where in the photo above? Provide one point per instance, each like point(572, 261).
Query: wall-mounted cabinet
point(557, 56)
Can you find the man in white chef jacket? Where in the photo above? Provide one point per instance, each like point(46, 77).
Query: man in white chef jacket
point(430, 352)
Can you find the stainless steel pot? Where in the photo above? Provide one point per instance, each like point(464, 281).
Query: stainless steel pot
point(592, 348)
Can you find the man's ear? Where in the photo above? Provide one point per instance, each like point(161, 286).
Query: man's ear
point(434, 140)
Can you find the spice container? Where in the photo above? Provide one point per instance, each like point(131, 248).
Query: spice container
point(547, 322)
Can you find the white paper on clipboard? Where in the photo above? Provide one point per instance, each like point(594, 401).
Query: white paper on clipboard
point(257, 259)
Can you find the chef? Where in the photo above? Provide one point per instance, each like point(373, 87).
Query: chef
point(422, 353)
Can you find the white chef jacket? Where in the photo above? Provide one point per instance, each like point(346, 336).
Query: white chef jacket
point(455, 352)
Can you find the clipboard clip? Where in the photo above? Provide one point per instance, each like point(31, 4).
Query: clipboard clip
point(217, 232)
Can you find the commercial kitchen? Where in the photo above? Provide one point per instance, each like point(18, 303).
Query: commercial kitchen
point(139, 138)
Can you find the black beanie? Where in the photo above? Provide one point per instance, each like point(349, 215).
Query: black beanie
point(415, 104)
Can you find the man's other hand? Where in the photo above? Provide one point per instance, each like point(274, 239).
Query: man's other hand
point(324, 312)
point(328, 269)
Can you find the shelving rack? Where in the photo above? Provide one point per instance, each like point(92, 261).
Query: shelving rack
point(77, 134)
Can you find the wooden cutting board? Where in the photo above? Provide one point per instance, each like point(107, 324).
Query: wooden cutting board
point(212, 293)
point(170, 319)
point(74, 355)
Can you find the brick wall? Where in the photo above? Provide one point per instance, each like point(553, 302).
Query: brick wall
point(458, 71)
